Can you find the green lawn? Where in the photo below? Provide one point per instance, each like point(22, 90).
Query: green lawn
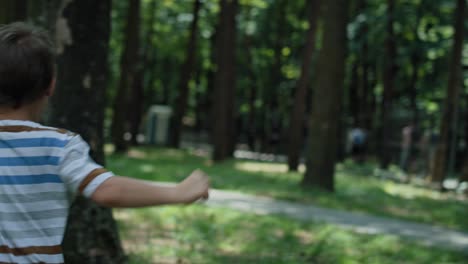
point(196, 234)
point(355, 189)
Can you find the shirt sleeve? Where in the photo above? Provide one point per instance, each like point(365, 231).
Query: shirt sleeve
point(78, 171)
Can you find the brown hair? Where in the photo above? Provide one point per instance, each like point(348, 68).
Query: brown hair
point(27, 65)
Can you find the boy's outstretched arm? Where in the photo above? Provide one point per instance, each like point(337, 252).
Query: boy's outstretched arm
point(127, 192)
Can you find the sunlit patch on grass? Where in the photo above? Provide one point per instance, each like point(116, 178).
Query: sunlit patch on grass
point(174, 153)
point(264, 167)
point(208, 163)
point(304, 236)
point(392, 191)
point(137, 154)
point(412, 192)
point(261, 167)
point(109, 149)
point(200, 153)
point(147, 168)
point(398, 211)
point(301, 168)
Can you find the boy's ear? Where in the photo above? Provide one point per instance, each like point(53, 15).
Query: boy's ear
point(50, 91)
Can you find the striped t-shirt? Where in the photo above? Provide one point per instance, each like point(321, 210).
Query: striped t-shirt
point(40, 168)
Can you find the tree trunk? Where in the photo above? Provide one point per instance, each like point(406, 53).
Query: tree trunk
point(451, 99)
point(224, 95)
point(91, 235)
point(464, 172)
point(252, 95)
point(251, 120)
point(166, 82)
point(298, 114)
point(414, 78)
point(138, 98)
point(353, 92)
point(325, 117)
point(128, 68)
point(464, 175)
point(21, 9)
point(271, 125)
point(5, 11)
point(150, 61)
point(365, 115)
point(137, 101)
point(13, 10)
point(211, 83)
point(200, 101)
point(413, 89)
point(389, 75)
point(185, 76)
point(372, 113)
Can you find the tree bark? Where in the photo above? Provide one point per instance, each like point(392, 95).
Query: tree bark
point(325, 117)
point(353, 92)
point(389, 74)
point(365, 115)
point(5, 11)
point(138, 99)
point(451, 99)
point(464, 175)
point(413, 89)
point(224, 95)
point(372, 147)
point(91, 235)
point(200, 101)
point(151, 63)
point(13, 10)
point(185, 76)
point(128, 68)
point(21, 9)
point(252, 94)
point(414, 78)
point(167, 64)
point(296, 136)
point(137, 102)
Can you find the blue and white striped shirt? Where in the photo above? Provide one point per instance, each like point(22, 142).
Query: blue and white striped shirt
point(40, 169)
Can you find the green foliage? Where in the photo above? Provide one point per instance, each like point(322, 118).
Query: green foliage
point(356, 190)
point(423, 32)
point(271, 37)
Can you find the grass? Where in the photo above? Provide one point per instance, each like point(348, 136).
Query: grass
point(196, 234)
point(355, 190)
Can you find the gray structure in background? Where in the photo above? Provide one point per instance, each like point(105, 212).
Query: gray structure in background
point(158, 124)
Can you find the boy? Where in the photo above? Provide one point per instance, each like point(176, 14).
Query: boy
point(40, 165)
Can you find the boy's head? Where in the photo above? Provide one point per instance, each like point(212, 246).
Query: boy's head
point(27, 66)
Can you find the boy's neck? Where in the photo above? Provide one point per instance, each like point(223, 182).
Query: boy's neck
point(29, 112)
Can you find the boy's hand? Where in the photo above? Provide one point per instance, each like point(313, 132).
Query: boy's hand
point(194, 187)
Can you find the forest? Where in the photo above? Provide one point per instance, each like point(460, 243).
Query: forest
point(310, 84)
